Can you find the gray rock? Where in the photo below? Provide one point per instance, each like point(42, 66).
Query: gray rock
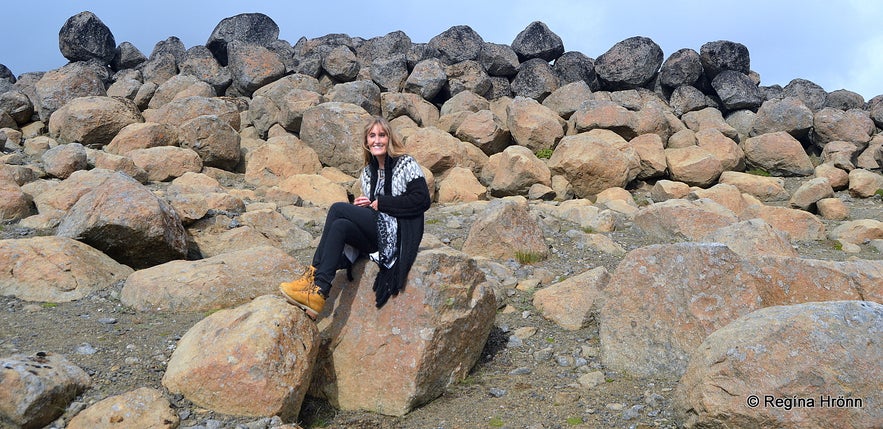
point(389, 73)
point(341, 64)
point(724, 55)
point(498, 60)
point(788, 114)
point(252, 66)
point(159, 69)
point(127, 56)
point(255, 28)
point(467, 75)
point(37, 388)
point(537, 41)
point(575, 66)
point(456, 44)
point(17, 105)
point(684, 67)
point(213, 139)
point(844, 100)
point(535, 79)
point(123, 219)
point(84, 37)
point(199, 62)
point(427, 78)
point(629, 64)
point(362, 93)
point(686, 98)
point(55, 88)
point(172, 46)
point(736, 90)
point(390, 45)
point(286, 54)
point(812, 95)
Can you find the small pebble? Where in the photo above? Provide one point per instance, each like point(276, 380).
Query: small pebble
point(86, 349)
point(107, 320)
point(497, 393)
point(520, 371)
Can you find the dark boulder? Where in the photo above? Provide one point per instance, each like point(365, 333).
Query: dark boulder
point(537, 41)
point(255, 28)
point(159, 69)
point(127, 56)
point(84, 37)
point(456, 44)
point(736, 91)
point(686, 98)
point(389, 73)
point(535, 79)
point(172, 46)
point(844, 100)
point(466, 76)
point(498, 60)
point(6, 74)
point(810, 93)
point(391, 45)
point(575, 66)
point(629, 64)
point(684, 67)
point(17, 105)
point(252, 66)
point(724, 55)
point(199, 62)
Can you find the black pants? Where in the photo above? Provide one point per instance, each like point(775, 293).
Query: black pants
point(345, 224)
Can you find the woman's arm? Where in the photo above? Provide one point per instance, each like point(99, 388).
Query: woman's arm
point(414, 201)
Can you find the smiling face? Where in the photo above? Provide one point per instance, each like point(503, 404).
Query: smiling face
point(377, 141)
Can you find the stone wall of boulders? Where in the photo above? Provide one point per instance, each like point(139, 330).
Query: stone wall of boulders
point(125, 160)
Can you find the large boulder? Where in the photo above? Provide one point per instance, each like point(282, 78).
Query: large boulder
point(55, 269)
point(631, 63)
point(831, 124)
point(14, 203)
point(336, 131)
point(57, 87)
point(279, 158)
point(213, 139)
point(222, 281)
point(533, 125)
point(513, 171)
point(722, 55)
point(456, 44)
point(682, 68)
point(123, 219)
point(92, 120)
point(736, 90)
point(485, 130)
point(778, 153)
point(678, 219)
point(405, 354)
point(251, 67)
point(254, 28)
point(668, 299)
point(63, 160)
point(199, 62)
point(84, 37)
point(506, 230)
point(266, 348)
point(804, 365)
point(38, 388)
point(427, 78)
point(535, 79)
point(693, 165)
point(573, 302)
point(594, 161)
point(537, 41)
point(164, 163)
point(184, 109)
point(142, 135)
point(788, 114)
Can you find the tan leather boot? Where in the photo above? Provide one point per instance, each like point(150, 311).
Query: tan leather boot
point(310, 300)
point(303, 283)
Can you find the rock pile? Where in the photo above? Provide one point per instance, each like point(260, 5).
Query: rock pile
point(192, 175)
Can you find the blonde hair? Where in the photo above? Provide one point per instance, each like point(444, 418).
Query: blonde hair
point(393, 150)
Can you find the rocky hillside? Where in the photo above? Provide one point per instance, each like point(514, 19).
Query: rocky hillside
point(626, 241)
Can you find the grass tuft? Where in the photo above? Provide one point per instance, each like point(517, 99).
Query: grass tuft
point(527, 258)
point(544, 153)
point(759, 172)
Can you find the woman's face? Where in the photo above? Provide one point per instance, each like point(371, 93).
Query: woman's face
point(378, 140)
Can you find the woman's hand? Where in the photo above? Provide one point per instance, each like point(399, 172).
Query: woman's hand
point(363, 201)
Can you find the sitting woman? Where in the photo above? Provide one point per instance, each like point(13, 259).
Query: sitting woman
point(386, 223)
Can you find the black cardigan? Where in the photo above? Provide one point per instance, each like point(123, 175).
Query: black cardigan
point(408, 209)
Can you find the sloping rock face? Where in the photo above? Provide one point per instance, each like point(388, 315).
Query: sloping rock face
point(252, 360)
point(669, 298)
point(506, 230)
point(142, 408)
point(221, 281)
point(393, 359)
point(55, 269)
point(126, 221)
point(804, 365)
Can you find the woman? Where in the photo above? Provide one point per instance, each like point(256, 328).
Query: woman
point(386, 223)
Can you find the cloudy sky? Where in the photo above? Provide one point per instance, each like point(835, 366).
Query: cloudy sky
point(836, 44)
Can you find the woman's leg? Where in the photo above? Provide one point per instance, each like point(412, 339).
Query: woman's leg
point(345, 224)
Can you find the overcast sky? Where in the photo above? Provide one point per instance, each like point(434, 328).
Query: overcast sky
point(836, 44)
